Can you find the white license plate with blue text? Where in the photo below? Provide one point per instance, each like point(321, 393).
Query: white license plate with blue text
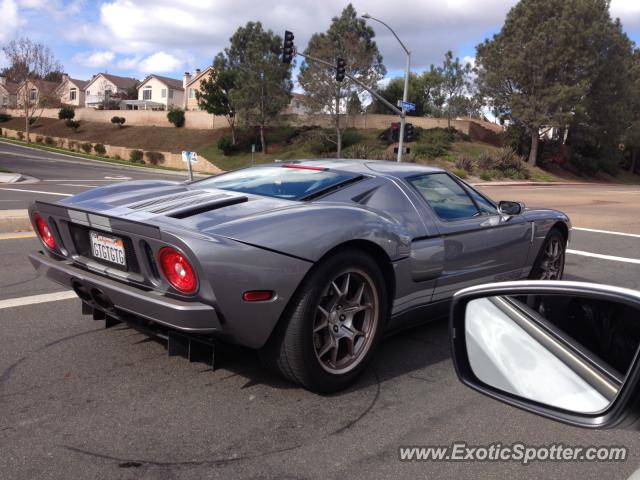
point(108, 248)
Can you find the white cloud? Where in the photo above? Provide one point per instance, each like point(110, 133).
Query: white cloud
point(627, 10)
point(160, 62)
point(95, 59)
point(10, 19)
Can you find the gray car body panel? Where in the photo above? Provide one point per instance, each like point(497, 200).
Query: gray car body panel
point(249, 242)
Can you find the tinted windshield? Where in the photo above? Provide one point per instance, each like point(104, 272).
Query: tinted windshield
point(281, 182)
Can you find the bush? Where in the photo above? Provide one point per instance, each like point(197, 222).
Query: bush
point(32, 120)
point(5, 117)
point(136, 156)
point(486, 175)
point(99, 149)
point(464, 163)
point(73, 145)
point(226, 146)
point(117, 157)
point(460, 172)
point(87, 147)
point(176, 116)
point(49, 141)
point(435, 142)
point(350, 136)
point(507, 159)
point(39, 138)
point(20, 135)
point(154, 158)
point(118, 121)
point(72, 124)
point(516, 137)
point(427, 150)
point(485, 161)
point(360, 151)
point(66, 113)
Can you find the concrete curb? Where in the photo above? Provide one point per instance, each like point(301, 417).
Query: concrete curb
point(10, 177)
point(12, 221)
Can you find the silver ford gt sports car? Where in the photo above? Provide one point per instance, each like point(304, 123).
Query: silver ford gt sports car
point(310, 262)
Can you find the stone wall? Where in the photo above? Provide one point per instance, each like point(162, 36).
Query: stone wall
point(171, 160)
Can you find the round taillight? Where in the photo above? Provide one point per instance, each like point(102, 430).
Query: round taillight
point(44, 232)
point(177, 270)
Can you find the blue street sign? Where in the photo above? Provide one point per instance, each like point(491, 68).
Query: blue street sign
point(407, 106)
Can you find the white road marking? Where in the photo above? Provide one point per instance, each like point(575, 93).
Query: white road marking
point(37, 191)
point(606, 231)
point(76, 180)
point(76, 185)
point(34, 299)
point(604, 257)
point(118, 178)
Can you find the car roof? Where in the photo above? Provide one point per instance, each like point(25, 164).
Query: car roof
point(382, 167)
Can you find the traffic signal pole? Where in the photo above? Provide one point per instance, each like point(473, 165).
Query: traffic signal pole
point(357, 82)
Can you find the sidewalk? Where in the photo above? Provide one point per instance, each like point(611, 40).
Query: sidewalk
point(10, 177)
point(12, 221)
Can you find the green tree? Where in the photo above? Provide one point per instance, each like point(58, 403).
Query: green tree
point(454, 82)
point(262, 86)
point(632, 134)
point(354, 105)
point(350, 38)
point(540, 67)
point(214, 95)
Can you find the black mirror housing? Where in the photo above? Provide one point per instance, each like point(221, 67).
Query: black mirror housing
point(623, 411)
point(510, 208)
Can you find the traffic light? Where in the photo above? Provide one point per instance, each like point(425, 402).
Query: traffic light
point(408, 132)
point(288, 48)
point(394, 132)
point(340, 69)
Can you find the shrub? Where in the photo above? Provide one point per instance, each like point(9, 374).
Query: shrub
point(66, 113)
point(360, 151)
point(118, 121)
point(117, 157)
point(32, 120)
point(99, 149)
point(464, 163)
point(460, 172)
point(226, 146)
point(486, 175)
point(72, 124)
point(427, 150)
point(485, 161)
point(39, 138)
point(176, 116)
point(508, 160)
point(86, 147)
point(350, 136)
point(20, 135)
point(73, 145)
point(5, 117)
point(154, 158)
point(516, 137)
point(49, 141)
point(136, 156)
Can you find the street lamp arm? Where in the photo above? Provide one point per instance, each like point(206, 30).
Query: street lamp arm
point(392, 31)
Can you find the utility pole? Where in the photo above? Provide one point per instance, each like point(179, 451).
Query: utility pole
point(406, 84)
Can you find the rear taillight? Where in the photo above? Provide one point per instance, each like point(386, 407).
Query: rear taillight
point(177, 270)
point(44, 232)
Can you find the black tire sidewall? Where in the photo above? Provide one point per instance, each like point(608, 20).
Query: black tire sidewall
point(536, 270)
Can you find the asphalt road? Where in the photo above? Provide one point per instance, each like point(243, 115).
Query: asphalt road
point(62, 175)
point(79, 401)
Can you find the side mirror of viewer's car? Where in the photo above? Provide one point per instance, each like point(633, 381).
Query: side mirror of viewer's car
point(564, 350)
point(510, 208)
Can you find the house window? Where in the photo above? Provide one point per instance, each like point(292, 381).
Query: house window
point(5, 100)
point(73, 94)
point(163, 93)
point(146, 93)
point(88, 93)
point(192, 93)
point(33, 95)
point(170, 93)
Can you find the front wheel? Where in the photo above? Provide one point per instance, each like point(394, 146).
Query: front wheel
point(333, 324)
point(550, 262)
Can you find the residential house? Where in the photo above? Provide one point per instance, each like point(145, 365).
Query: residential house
point(71, 91)
point(157, 93)
point(38, 92)
point(8, 93)
point(297, 105)
point(191, 83)
point(104, 88)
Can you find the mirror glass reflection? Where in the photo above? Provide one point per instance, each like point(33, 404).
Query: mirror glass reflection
point(566, 351)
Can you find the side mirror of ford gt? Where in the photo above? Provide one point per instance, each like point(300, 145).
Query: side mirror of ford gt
point(510, 208)
point(564, 350)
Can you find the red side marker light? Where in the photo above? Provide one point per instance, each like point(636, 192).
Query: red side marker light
point(257, 296)
point(44, 232)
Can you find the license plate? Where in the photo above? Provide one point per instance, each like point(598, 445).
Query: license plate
point(108, 248)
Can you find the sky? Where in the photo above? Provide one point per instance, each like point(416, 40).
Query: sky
point(169, 37)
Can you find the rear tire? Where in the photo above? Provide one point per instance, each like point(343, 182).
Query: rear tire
point(549, 264)
point(332, 325)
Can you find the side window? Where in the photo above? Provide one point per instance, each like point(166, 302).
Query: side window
point(485, 205)
point(445, 196)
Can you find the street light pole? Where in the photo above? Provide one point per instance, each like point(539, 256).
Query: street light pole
point(406, 83)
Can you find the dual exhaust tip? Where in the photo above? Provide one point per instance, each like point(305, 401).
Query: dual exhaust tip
point(93, 296)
